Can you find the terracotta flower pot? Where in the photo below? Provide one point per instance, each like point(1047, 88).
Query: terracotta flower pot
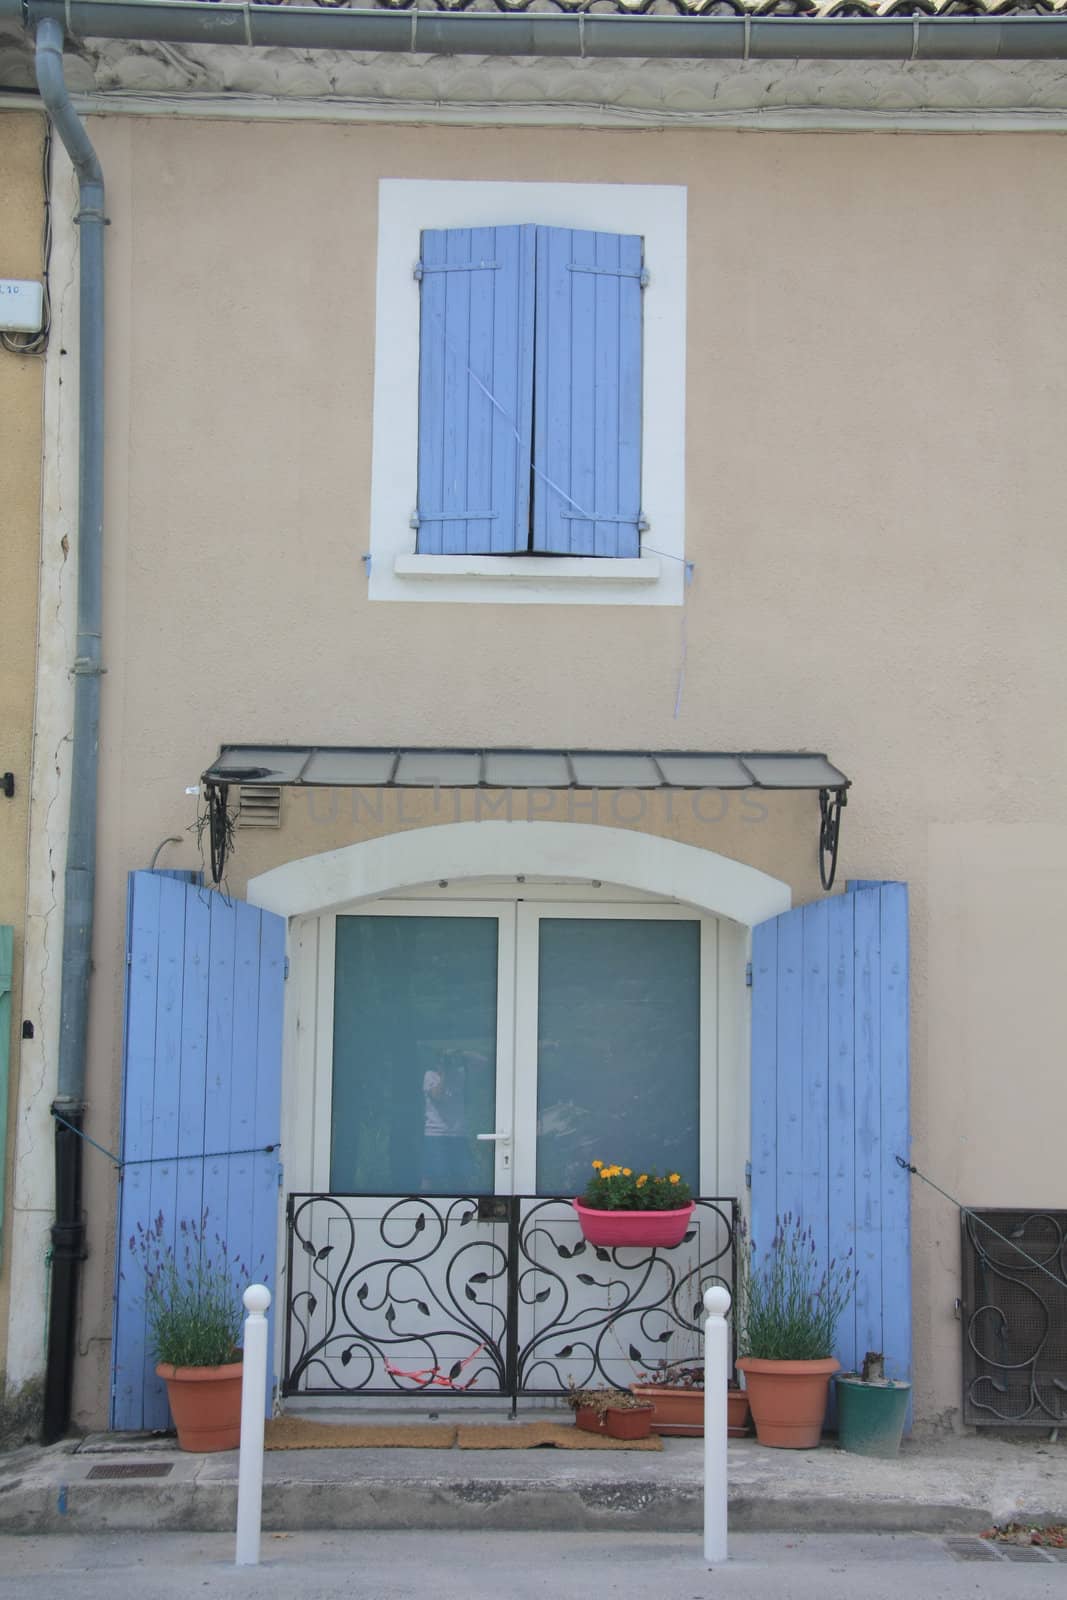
point(589, 1419)
point(679, 1413)
point(205, 1403)
point(788, 1399)
point(640, 1229)
point(737, 1411)
point(634, 1423)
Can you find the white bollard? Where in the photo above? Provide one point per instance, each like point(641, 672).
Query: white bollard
point(253, 1391)
point(716, 1377)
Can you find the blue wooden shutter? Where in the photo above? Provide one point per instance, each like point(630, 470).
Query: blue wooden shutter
point(201, 1099)
point(587, 394)
point(7, 963)
point(475, 390)
point(830, 1101)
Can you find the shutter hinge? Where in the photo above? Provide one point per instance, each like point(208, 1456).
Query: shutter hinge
point(748, 1174)
point(281, 1175)
point(416, 272)
point(748, 974)
point(642, 522)
point(285, 968)
point(415, 521)
point(129, 958)
point(643, 280)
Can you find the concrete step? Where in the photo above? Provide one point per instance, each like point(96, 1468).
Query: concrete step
point(962, 1488)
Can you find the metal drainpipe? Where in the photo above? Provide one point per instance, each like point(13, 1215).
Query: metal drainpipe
point(529, 33)
point(68, 1231)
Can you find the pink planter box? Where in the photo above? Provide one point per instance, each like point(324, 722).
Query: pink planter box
point(648, 1230)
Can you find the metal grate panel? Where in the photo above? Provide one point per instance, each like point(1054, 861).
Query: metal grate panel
point(1014, 1316)
point(132, 1469)
point(486, 1295)
point(967, 1548)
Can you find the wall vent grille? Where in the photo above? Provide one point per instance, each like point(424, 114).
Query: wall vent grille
point(260, 806)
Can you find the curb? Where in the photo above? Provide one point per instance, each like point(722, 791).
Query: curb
point(471, 1505)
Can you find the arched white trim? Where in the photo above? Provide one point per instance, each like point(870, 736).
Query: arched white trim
point(574, 850)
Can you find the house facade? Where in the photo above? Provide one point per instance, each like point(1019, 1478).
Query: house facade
point(567, 415)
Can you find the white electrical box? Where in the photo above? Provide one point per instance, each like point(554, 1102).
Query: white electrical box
point(21, 306)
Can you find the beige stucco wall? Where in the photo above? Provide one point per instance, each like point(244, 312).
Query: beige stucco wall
point(874, 502)
point(21, 219)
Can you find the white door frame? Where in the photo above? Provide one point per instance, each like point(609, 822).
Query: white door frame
point(723, 1028)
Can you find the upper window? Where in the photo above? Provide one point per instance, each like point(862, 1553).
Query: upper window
point(530, 392)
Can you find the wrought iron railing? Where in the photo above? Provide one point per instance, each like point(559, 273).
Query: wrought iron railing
point(1014, 1311)
point(490, 1295)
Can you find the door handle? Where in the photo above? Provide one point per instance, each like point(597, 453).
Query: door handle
point(496, 1138)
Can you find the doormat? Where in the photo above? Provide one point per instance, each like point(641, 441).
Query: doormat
point(536, 1435)
point(297, 1433)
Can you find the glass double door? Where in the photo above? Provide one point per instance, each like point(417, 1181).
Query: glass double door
point(481, 1047)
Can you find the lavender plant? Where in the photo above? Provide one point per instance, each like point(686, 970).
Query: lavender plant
point(192, 1294)
point(788, 1307)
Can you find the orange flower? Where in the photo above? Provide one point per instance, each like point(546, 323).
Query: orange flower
point(675, 1178)
point(598, 1165)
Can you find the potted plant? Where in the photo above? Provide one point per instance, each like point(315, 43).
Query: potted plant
point(675, 1391)
point(622, 1207)
point(616, 1412)
point(193, 1304)
point(871, 1408)
point(787, 1314)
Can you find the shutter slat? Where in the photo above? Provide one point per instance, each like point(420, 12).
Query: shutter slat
point(475, 390)
point(814, 1163)
point(841, 1199)
point(868, 1133)
point(587, 424)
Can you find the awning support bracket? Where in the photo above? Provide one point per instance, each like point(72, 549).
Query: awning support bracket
point(831, 802)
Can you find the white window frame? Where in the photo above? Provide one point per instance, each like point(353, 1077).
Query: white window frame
point(396, 572)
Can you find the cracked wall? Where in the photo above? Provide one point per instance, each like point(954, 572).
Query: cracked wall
point(21, 378)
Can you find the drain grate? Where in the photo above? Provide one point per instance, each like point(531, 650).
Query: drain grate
point(132, 1469)
point(966, 1549)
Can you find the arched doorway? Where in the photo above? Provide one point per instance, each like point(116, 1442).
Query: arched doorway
point(478, 1010)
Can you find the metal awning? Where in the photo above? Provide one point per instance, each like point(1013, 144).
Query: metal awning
point(378, 767)
point(363, 767)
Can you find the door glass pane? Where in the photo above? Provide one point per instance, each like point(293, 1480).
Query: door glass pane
point(618, 1049)
point(414, 1055)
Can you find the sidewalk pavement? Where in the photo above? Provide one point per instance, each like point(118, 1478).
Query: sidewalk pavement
point(946, 1484)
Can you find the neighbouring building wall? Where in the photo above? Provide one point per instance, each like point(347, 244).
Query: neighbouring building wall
point(874, 506)
point(21, 225)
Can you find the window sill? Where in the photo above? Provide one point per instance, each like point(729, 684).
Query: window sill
point(564, 570)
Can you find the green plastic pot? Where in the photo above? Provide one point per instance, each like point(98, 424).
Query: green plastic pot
point(870, 1416)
